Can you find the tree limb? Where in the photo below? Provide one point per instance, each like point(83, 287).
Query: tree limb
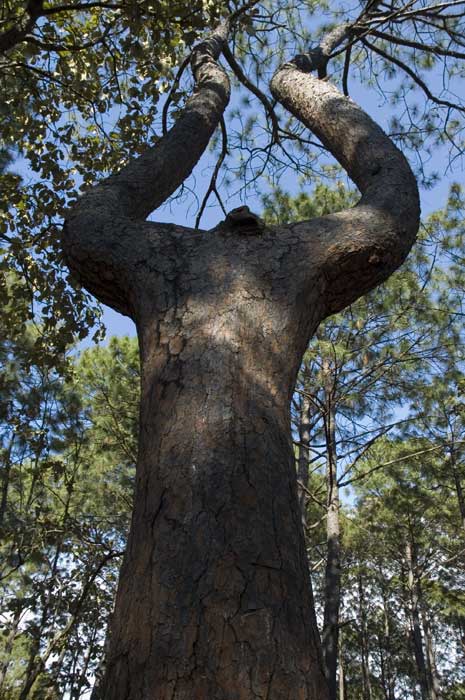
point(364, 245)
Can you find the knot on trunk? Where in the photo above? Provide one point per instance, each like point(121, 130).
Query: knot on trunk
point(244, 221)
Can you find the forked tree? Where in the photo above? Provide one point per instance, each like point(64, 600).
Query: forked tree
point(214, 599)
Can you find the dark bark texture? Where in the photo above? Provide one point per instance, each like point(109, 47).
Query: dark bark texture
point(214, 599)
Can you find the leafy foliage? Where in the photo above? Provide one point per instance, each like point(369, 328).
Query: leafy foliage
point(67, 477)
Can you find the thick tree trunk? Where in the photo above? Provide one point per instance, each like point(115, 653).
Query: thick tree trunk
point(216, 564)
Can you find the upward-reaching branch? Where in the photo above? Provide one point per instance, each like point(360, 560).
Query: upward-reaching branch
point(99, 235)
point(146, 182)
point(367, 243)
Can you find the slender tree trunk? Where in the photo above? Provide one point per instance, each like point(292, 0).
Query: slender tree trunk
point(82, 677)
point(424, 652)
point(97, 690)
point(8, 648)
point(304, 456)
point(382, 667)
point(35, 661)
point(6, 470)
point(332, 600)
point(458, 488)
point(341, 674)
point(364, 641)
point(386, 669)
point(434, 681)
point(415, 622)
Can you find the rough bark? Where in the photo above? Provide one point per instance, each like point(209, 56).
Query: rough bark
point(214, 598)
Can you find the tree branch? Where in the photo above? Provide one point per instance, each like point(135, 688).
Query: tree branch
point(241, 76)
point(416, 79)
point(212, 186)
point(146, 182)
point(26, 22)
point(437, 50)
point(98, 235)
point(366, 244)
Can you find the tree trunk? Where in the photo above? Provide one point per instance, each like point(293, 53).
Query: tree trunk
point(415, 623)
point(434, 682)
point(216, 555)
point(364, 640)
point(214, 599)
point(8, 646)
point(341, 675)
point(6, 470)
point(304, 456)
point(332, 600)
point(386, 662)
point(458, 487)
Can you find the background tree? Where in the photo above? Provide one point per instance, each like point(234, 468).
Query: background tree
point(65, 517)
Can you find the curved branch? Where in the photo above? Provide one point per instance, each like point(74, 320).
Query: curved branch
point(345, 74)
point(212, 186)
point(98, 237)
point(364, 245)
point(241, 76)
point(146, 182)
point(429, 48)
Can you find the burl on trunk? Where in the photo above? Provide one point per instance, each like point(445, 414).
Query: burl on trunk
point(214, 599)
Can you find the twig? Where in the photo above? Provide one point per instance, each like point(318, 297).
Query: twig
point(413, 75)
point(416, 45)
point(241, 76)
point(212, 186)
point(164, 116)
point(345, 74)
